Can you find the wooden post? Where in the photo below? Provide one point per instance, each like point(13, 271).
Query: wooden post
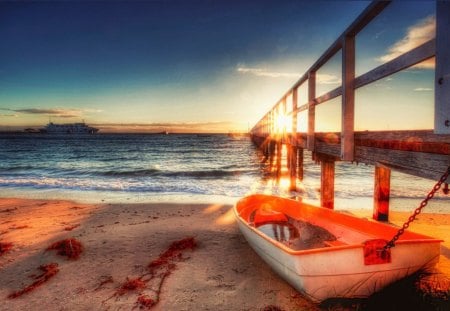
point(293, 171)
point(311, 110)
point(348, 98)
point(327, 183)
point(300, 163)
point(293, 140)
point(381, 193)
point(442, 72)
point(279, 146)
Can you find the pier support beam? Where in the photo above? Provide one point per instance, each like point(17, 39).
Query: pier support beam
point(327, 183)
point(300, 163)
point(381, 193)
point(278, 156)
point(293, 169)
point(442, 89)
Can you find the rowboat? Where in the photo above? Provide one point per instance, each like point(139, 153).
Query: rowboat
point(327, 254)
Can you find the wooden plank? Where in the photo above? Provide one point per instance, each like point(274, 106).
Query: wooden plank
point(328, 96)
point(372, 11)
point(382, 191)
point(442, 80)
point(311, 110)
point(403, 61)
point(327, 184)
point(348, 99)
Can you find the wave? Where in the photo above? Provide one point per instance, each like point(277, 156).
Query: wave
point(16, 168)
point(198, 174)
point(129, 173)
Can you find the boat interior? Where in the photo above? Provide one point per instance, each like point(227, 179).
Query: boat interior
point(300, 226)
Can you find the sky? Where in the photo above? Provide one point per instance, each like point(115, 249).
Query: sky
point(198, 66)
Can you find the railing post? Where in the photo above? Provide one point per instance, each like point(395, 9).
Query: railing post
point(293, 142)
point(382, 192)
point(442, 72)
point(311, 109)
point(348, 98)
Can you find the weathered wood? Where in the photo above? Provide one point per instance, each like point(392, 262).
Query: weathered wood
point(300, 155)
point(311, 109)
point(328, 96)
point(403, 61)
point(293, 169)
point(278, 156)
point(348, 99)
point(382, 191)
point(418, 153)
point(327, 184)
point(294, 111)
point(442, 79)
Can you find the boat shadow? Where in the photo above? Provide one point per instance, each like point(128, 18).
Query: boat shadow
point(410, 293)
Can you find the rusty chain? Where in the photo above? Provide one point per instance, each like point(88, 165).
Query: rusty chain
point(417, 211)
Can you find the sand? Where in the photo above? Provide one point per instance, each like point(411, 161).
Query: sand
point(120, 240)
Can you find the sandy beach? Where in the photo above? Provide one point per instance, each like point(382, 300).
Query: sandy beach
point(120, 241)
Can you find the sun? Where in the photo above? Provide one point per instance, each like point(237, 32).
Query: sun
point(283, 123)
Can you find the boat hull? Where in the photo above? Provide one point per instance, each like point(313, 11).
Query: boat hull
point(335, 271)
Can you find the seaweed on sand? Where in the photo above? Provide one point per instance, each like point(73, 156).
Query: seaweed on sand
point(71, 248)
point(173, 253)
point(130, 285)
point(48, 271)
point(159, 270)
point(5, 247)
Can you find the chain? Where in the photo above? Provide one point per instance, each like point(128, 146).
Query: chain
point(417, 211)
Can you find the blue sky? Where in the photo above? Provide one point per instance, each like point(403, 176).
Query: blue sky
point(183, 65)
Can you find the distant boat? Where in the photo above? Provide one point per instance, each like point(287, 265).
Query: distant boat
point(69, 128)
point(325, 254)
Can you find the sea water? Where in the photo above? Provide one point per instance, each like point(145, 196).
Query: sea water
point(175, 168)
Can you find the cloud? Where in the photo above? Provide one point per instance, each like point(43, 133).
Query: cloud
point(55, 112)
point(8, 115)
point(423, 89)
point(416, 35)
point(327, 79)
point(261, 72)
point(62, 113)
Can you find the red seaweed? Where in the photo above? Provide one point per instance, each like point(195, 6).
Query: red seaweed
point(5, 247)
point(49, 271)
point(173, 253)
point(144, 301)
point(159, 269)
point(70, 228)
point(71, 248)
point(130, 285)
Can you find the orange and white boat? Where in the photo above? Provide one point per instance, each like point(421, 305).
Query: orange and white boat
point(326, 254)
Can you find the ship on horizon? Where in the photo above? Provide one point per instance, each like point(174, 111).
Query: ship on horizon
point(69, 128)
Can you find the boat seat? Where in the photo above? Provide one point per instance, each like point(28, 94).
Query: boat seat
point(263, 216)
point(334, 243)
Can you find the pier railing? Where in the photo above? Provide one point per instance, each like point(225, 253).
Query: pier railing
point(423, 153)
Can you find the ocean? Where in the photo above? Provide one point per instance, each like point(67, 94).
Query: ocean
point(194, 168)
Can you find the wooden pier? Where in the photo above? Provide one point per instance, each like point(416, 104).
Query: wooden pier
point(423, 153)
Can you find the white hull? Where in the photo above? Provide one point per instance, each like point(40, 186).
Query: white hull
point(339, 271)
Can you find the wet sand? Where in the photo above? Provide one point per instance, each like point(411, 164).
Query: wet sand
point(120, 240)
